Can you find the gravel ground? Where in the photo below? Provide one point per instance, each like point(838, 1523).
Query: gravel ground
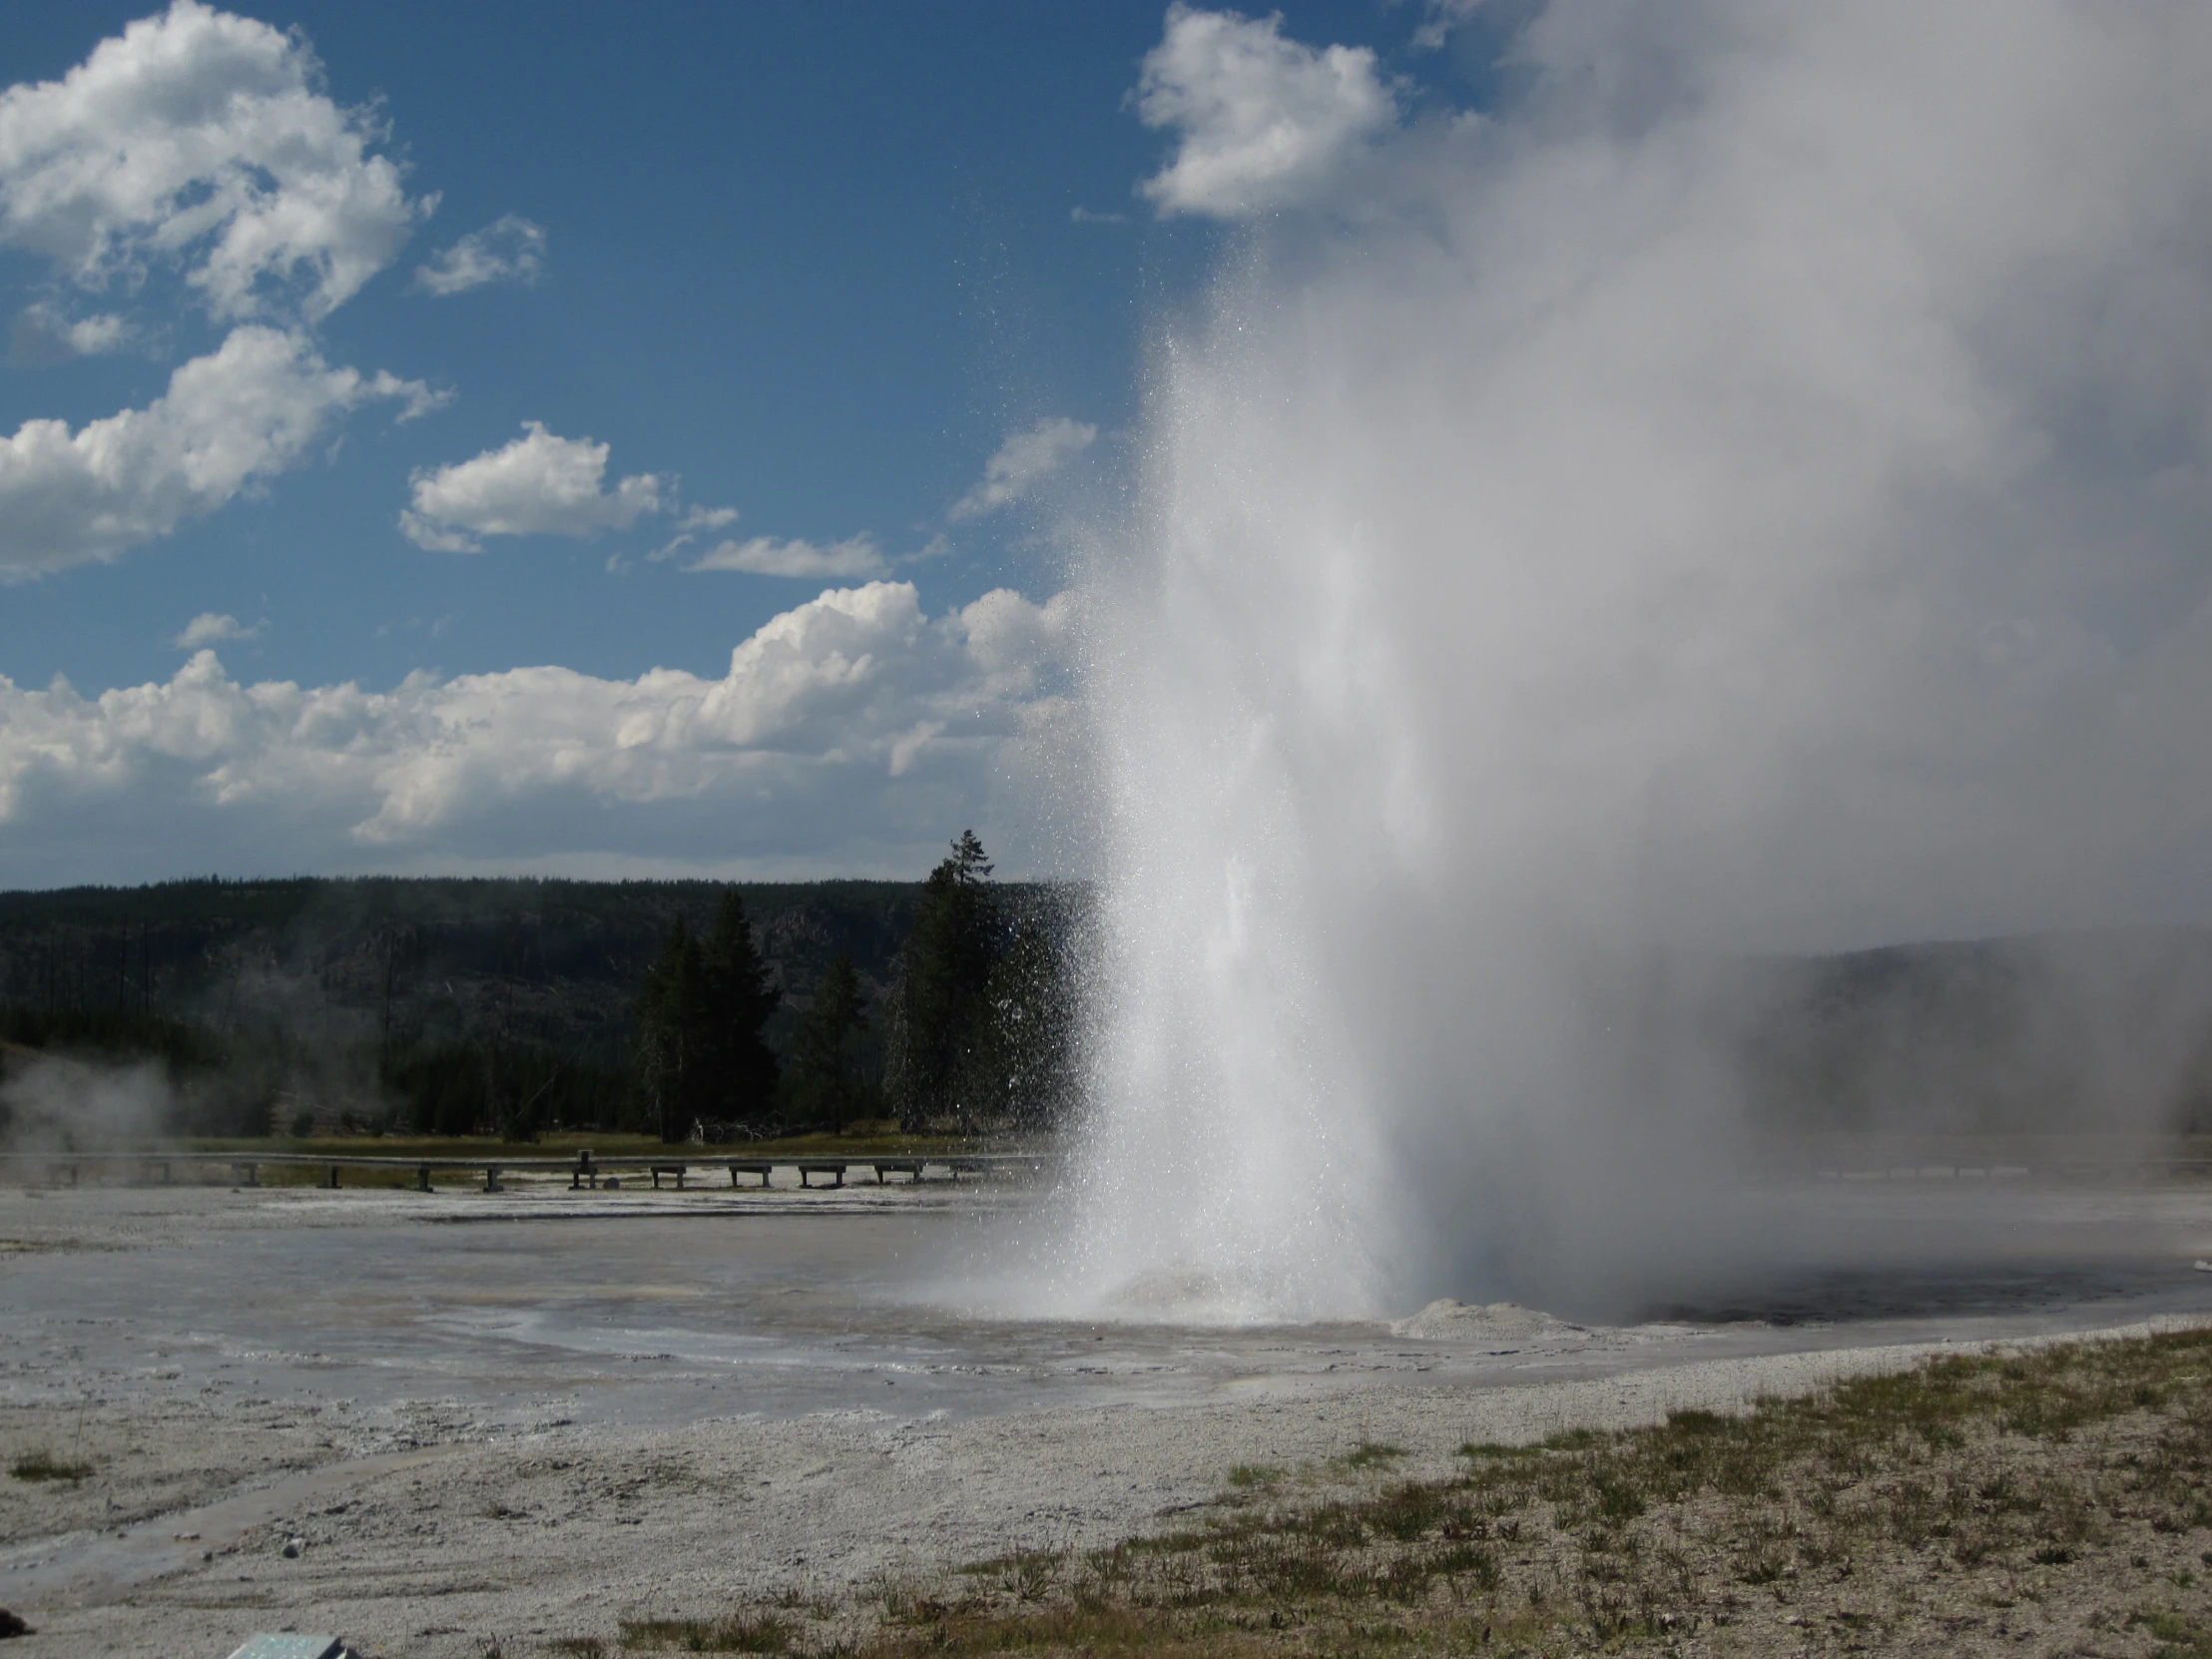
point(462, 1503)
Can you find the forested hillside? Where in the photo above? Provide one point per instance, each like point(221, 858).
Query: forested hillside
point(2107, 1030)
point(469, 1006)
point(443, 1004)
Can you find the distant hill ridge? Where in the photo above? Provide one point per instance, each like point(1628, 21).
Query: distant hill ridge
point(339, 991)
point(2106, 1028)
point(2101, 1029)
point(419, 956)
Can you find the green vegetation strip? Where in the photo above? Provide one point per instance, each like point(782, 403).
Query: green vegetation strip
point(44, 1466)
point(479, 1148)
point(1965, 1505)
point(393, 1161)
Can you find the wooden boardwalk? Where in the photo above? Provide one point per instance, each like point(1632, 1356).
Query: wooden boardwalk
point(585, 1171)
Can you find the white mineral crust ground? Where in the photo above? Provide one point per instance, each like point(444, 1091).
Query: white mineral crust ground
point(533, 1414)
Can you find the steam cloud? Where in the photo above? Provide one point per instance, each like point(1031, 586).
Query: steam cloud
point(1750, 491)
point(56, 1105)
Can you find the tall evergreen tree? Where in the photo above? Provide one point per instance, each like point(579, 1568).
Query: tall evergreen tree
point(674, 1058)
point(823, 1084)
point(741, 997)
point(1028, 1052)
point(938, 1000)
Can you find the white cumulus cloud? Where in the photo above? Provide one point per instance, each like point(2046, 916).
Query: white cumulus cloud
point(846, 734)
point(201, 140)
point(853, 558)
point(688, 530)
point(90, 337)
point(44, 333)
point(1443, 17)
point(696, 519)
point(510, 250)
point(538, 485)
point(765, 556)
point(1261, 120)
point(214, 628)
point(201, 143)
point(244, 412)
point(1023, 461)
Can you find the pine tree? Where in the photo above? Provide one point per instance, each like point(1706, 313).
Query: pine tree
point(739, 997)
point(675, 1058)
point(1028, 1051)
point(822, 1069)
point(938, 1000)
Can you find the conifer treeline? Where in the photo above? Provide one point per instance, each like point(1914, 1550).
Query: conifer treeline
point(978, 1027)
point(701, 1055)
point(516, 1007)
point(983, 1016)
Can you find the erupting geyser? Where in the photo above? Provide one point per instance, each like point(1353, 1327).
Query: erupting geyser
point(1750, 490)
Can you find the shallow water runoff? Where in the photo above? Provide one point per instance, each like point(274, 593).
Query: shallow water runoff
point(501, 1314)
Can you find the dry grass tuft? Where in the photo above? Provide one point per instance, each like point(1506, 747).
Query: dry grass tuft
point(44, 1466)
point(1961, 1506)
point(738, 1633)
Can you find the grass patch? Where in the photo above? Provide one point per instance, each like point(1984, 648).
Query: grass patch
point(1491, 1449)
point(1246, 1476)
point(2073, 1483)
point(44, 1466)
point(1368, 1454)
point(476, 1148)
point(1091, 1627)
point(2178, 1638)
point(1026, 1575)
point(738, 1633)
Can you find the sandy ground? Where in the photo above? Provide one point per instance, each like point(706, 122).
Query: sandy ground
point(653, 1407)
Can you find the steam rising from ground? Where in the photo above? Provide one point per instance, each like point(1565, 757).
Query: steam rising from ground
point(56, 1105)
point(1751, 491)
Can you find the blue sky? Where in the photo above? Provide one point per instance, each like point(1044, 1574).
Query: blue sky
point(800, 270)
point(648, 440)
point(815, 261)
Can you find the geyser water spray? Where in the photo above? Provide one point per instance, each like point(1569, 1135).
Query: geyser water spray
point(1750, 489)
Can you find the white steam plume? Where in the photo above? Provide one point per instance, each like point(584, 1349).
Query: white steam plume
point(1749, 492)
point(56, 1105)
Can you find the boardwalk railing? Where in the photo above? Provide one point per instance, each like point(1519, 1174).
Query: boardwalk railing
point(584, 1170)
point(2086, 1156)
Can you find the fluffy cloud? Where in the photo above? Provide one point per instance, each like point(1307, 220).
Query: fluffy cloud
point(44, 333)
point(510, 250)
point(688, 530)
point(855, 557)
point(1261, 120)
point(90, 337)
point(696, 519)
point(241, 413)
point(538, 485)
point(201, 139)
point(213, 628)
point(1443, 17)
point(1023, 461)
point(765, 556)
point(200, 142)
point(848, 732)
